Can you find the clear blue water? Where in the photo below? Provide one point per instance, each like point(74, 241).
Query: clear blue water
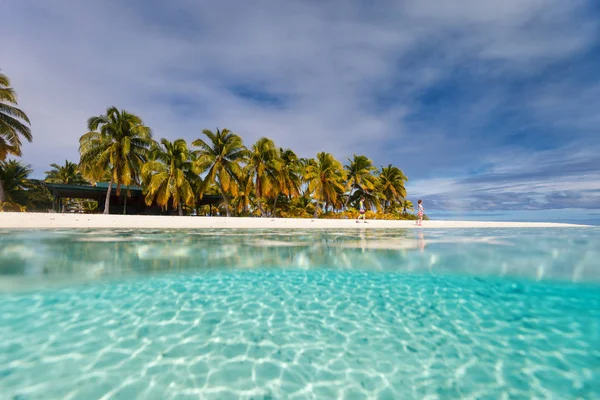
point(294, 314)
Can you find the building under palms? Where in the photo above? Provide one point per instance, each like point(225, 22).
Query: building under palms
point(130, 200)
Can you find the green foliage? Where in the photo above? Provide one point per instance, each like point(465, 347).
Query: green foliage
point(13, 175)
point(170, 174)
point(264, 164)
point(326, 180)
point(116, 145)
point(9, 206)
point(221, 156)
point(257, 181)
point(38, 196)
point(290, 175)
point(68, 174)
point(81, 206)
point(361, 182)
point(391, 186)
point(244, 199)
point(299, 207)
point(13, 122)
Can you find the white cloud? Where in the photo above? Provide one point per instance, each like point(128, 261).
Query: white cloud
point(70, 60)
point(528, 181)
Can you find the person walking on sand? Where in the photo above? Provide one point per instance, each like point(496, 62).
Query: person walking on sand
point(361, 210)
point(420, 212)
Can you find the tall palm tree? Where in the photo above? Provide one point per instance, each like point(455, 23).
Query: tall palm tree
point(67, 174)
point(326, 180)
point(117, 143)
point(391, 185)
point(305, 164)
point(245, 192)
point(170, 175)
point(13, 124)
point(221, 156)
point(289, 177)
point(14, 175)
point(290, 174)
point(361, 181)
point(264, 163)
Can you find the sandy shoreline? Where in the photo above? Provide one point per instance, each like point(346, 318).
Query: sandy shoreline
point(50, 221)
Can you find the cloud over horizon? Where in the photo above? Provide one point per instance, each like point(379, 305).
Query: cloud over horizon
point(485, 106)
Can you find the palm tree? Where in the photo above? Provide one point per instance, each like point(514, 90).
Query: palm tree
point(361, 180)
point(391, 185)
point(264, 163)
point(67, 174)
point(13, 124)
point(305, 164)
point(14, 175)
point(301, 207)
point(221, 156)
point(117, 143)
point(170, 174)
point(289, 176)
point(325, 179)
point(407, 206)
point(245, 192)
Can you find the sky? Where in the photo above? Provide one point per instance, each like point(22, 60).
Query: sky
point(492, 109)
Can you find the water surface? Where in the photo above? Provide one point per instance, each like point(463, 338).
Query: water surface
point(443, 314)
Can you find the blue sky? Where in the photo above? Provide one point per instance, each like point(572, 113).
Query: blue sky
point(492, 109)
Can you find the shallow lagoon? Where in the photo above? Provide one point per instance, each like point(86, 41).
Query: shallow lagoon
point(299, 314)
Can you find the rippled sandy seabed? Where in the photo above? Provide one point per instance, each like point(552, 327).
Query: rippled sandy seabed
point(125, 314)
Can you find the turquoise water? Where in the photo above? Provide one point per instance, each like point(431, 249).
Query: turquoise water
point(294, 314)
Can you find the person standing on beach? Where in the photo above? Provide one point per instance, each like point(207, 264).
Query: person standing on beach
point(361, 210)
point(420, 212)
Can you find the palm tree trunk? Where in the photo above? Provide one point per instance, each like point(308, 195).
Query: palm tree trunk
point(107, 201)
point(262, 213)
point(275, 206)
point(225, 199)
point(316, 214)
point(259, 196)
point(180, 210)
point(2, 195)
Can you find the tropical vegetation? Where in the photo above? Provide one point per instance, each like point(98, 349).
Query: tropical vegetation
point(170, 174)
point(221, 156)
point(261, 179)
point(14, 124)
point(68, 174)
point(116, 146)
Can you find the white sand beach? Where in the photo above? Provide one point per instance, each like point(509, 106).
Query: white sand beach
point(52, 221)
